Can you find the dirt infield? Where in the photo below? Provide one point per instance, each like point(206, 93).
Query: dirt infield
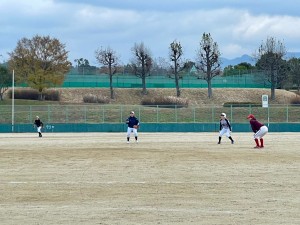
point(166, 179)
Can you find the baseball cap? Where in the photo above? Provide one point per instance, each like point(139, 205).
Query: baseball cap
point(132, 112)
point(250, 116)
point(223, 114)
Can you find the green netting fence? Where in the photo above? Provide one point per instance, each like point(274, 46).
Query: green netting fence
point(162, 81)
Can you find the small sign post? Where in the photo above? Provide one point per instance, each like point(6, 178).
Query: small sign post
point(265, 104)
point(265, 101)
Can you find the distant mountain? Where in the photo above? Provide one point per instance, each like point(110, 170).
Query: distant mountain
point(251, 60)
point(236, 61)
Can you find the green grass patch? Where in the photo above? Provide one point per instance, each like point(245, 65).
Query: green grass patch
point(27, 102)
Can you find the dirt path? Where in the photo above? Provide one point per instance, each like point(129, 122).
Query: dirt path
point(167, 178)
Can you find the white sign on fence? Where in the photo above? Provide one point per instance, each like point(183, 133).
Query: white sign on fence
point(265, 101)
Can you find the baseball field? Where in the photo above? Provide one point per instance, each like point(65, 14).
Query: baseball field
point(166, 179)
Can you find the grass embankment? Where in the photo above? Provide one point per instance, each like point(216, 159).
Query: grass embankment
point(200, 109)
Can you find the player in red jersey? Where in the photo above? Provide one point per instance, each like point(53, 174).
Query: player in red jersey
point(259, 130)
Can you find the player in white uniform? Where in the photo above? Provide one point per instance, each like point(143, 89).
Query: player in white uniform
point(133, 124)
point(225, 128)
point(39, 125)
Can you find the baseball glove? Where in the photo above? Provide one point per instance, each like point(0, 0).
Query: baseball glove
point(136, 126)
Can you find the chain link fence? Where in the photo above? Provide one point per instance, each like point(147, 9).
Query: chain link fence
point(93, 114)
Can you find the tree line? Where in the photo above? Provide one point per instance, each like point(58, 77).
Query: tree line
point(42, 62)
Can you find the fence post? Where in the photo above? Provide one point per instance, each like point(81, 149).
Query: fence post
point(231, 115)
point(103, 113)
point(85, 113)
point(213, 114)
point(157, 113)
point(194, 114)
point(139, 113)
point(49, 109)
point(30, 108)
point(268, 116)
point(66, 113)
point(121, 119)
point(176, 116)
point(287, 113)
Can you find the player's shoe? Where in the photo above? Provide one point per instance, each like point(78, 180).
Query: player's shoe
point(262, 146)
point(219, 143)
point(127, 142)
point(257, 146)
point(136, 141)
point(232, 142)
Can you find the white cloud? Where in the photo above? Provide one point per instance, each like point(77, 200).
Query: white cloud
point(250, 26)
point(237, 26)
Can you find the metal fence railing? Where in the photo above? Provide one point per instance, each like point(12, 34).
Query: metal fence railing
point(91, 114)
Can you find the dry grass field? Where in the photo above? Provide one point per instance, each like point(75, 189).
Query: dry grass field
point(166, 179)
point(196, 96)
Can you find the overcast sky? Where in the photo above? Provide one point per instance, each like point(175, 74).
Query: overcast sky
point(238, 26)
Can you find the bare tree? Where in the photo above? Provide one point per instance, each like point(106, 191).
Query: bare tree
point(108, 57)
point(41, 62)
point(175, 54)
point(160, 66)
point(208, 57)
point(81, 65)
point(142, 63)
point(270, 60)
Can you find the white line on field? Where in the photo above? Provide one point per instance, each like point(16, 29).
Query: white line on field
point(138, 182)
point(134, 209)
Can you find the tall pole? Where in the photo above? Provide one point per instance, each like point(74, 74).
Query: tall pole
point(13, 102)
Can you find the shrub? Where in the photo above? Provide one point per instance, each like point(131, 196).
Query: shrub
point(52, 95)
point(24, 94)
point(31, 94)
point(166, 101)
point(90, 99)
point(241, 104)
point(295, 100)
point(95, 99)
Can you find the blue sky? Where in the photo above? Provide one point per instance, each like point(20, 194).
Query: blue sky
point(238, 26)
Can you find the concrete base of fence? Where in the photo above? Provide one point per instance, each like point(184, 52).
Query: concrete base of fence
point(147, 127)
